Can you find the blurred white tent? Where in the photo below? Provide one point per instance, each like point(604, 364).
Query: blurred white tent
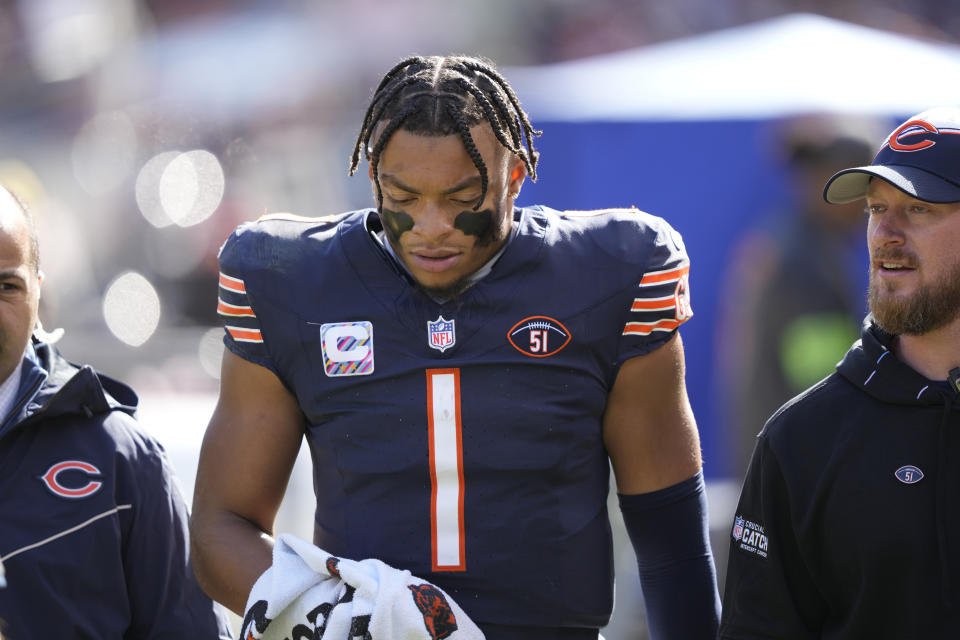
point(791, 64)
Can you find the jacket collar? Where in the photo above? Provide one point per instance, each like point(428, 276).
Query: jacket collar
point(52, 386)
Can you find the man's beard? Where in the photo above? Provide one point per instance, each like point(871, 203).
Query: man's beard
point(932, 306)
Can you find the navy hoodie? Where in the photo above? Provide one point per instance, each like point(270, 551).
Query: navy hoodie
point(848, 524)
point(93, 527)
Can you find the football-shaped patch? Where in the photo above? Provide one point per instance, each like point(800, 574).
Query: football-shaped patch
point(538, 336)
point(908, 474)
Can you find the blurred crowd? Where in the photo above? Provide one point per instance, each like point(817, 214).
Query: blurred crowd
point(573, 28)
point(142, 131)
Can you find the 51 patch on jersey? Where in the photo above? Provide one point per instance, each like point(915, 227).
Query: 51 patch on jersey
point(538, 336)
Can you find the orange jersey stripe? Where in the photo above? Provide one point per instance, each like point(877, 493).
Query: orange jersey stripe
point(227, 309)
point(646, 328)
point(658, 277)
point(232, 284)
point(653, 304)
point(245, 335)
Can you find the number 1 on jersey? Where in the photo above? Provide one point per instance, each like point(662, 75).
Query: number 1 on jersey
point(445, 440)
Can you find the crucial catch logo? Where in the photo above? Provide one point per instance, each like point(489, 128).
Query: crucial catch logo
point(750, 537)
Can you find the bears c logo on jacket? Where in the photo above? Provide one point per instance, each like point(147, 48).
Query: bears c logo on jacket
point(75, 484)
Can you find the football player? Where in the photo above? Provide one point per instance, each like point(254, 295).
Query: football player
point(464, 371)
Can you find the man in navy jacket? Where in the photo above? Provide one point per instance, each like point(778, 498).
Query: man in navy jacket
point(93, 538)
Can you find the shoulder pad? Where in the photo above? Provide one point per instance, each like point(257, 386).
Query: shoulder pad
point(292, 217)
point(570, 213)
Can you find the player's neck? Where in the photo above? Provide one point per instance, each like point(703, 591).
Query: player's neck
point(931, 354)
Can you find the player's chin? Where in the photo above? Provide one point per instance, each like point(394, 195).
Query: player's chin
point(431, 274)
point(442, 288)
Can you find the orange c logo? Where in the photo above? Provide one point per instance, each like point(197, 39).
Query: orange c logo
point(894, 139)
point(53, 483)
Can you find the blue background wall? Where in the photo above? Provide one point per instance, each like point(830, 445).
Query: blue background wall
point(710, 180)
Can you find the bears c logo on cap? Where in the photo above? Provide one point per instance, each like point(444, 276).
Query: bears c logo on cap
point(910, 128)
point(71, 488)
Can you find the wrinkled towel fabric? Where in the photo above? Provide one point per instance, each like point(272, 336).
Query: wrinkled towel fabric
point(309, 593)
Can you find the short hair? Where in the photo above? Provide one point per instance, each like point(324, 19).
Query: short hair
point(32, 233)
point(444, 95)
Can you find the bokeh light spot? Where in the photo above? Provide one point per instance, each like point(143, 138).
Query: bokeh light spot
point(131, 308)
point(70, 46)
point(147, 189)
point(191, 187)
point(103, 152)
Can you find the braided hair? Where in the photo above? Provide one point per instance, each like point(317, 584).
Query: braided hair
point(439, 96)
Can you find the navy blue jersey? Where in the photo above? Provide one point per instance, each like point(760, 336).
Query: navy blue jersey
point(462, 440)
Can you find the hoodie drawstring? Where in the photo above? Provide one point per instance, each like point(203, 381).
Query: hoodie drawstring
point(943, 501)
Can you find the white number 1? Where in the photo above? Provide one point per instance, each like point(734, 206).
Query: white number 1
point(446, 469)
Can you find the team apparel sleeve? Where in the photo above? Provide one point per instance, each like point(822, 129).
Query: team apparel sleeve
point(670, 535)
point(661, 296)
point(242, 328)
point(165, 599)
point(768, 593)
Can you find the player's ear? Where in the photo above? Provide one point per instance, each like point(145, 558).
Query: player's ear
point(518, 173)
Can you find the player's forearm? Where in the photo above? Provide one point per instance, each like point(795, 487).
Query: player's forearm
point(229, 553)
point(669, 532)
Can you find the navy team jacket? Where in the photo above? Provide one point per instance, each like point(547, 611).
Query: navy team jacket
point(93, 528)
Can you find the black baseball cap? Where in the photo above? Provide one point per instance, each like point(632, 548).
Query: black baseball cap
point(921, 157)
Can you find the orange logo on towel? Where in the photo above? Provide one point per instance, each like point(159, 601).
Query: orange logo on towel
point(437, 615)
point(332, 564)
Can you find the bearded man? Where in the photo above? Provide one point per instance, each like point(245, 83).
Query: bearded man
point(848, 524)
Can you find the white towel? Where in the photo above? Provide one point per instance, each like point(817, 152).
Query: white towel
point(308, 593)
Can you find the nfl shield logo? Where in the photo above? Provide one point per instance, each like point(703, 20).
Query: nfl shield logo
point(440, 334)
point(738, 528)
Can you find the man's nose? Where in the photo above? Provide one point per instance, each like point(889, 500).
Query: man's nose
point(433, 220)
point(888, 229)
